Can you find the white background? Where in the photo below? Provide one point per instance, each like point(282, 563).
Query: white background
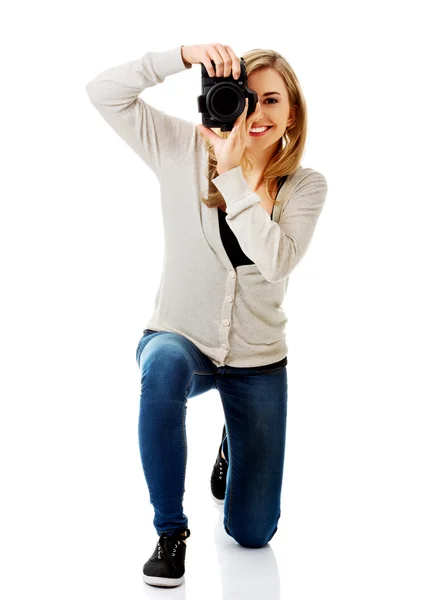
point(81, 246)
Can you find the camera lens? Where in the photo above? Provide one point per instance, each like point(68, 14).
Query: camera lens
point(225, 102)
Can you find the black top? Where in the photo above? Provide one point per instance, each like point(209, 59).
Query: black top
point(237, 258)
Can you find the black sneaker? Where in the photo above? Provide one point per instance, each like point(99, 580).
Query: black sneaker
point(219, 472)
point(166, 566)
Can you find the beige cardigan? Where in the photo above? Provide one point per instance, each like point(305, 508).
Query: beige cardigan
point(234, 316)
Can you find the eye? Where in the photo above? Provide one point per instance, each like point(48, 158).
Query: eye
point(272, 99)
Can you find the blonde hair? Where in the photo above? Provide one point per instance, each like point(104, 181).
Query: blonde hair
point(291, 146)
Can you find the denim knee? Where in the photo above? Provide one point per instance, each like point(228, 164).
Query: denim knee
point(169, 365)
point(251, 539)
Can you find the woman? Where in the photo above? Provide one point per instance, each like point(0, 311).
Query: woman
point(218, 320)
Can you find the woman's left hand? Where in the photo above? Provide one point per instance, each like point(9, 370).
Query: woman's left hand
point(229, 151)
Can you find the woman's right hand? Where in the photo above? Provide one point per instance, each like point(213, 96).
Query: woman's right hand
point(225, 59)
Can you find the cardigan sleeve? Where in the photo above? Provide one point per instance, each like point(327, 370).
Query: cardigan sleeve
point(159, 139)
point(276, 248)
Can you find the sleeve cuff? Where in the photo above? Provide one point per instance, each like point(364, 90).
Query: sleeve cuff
point(168, 62)
point(235, 191)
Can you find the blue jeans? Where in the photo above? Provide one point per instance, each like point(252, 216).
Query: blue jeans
point(173, 369)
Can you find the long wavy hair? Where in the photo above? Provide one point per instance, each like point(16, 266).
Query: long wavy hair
point(290, 147)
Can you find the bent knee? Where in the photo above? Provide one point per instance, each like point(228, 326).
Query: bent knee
point(252, 539)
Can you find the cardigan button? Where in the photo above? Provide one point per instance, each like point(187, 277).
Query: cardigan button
point(228, 298)
point(225, 322)
point(232, 274)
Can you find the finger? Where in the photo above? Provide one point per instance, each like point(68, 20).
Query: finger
point(208, 65)
point(256, 112)
point(217, 58)
point(226, 59)
point(242, 116)
point(253, 116)
point(234, 133)
point(235, 62)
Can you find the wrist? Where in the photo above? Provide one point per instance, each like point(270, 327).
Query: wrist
point(221, 170)
point(186, 63)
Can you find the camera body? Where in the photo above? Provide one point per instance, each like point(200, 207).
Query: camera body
point(223, 98)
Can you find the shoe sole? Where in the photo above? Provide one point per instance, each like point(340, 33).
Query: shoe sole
point(218, 500)
point(163, 581)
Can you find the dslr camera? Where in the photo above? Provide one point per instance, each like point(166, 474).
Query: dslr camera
point(223, 98)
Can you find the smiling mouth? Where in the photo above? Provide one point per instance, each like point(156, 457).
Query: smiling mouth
point(259, 133)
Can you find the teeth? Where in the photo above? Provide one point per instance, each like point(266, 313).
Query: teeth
point(259, 129)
